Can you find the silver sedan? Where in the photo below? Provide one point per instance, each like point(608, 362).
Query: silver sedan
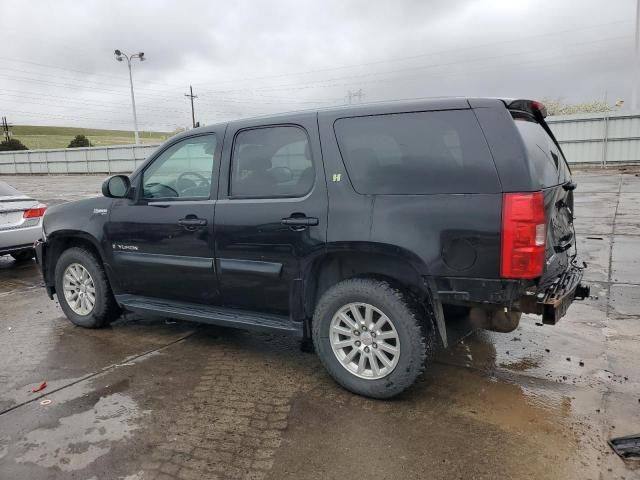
point(20, 223)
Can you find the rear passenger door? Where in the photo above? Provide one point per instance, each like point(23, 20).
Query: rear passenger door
point(271, 215)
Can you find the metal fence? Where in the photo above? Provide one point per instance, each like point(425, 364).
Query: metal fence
point(115, 159)
point(598, 138)
point(595, 138)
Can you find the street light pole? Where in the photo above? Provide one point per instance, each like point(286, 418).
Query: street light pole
point(636, 62)
point(133, 104)
point(119, 56)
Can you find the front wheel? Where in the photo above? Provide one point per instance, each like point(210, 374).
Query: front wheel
point(371, 337)
point(83, 289)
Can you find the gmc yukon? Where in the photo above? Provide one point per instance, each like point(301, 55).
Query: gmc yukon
point(355, 228)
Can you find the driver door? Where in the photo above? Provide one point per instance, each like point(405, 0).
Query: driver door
point(162, 241)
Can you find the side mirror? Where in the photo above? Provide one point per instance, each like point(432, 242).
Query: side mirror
point(117, 186)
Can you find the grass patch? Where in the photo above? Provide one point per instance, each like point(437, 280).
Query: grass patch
point(42, 137)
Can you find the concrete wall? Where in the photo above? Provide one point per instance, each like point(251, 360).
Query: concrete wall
point(116, 159)
point(595, 138)
point(598, 138)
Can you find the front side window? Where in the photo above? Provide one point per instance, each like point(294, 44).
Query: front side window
point(184, 170)
point(271, 162)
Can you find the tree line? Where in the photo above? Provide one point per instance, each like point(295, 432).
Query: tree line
point(13, 144)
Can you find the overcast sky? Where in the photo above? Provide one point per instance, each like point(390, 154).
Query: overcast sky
point(247, 58)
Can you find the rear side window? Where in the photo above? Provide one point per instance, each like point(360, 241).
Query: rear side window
point(417, 153)
point(272, 162)
point(548, 166)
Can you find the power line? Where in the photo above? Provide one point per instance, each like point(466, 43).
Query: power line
point(151, 94)
point(155, 95)
point(315, 84)
point(398, 59)
point(392, 60)
point(98, 108)
point(75, 117)
point(429, 54)
point(28, 98)
point(521, 66)
point(422, 67)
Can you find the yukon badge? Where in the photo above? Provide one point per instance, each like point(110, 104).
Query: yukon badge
point(100, 211)
point(117, 246)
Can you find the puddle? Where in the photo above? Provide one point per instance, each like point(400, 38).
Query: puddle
point(422, 430)
point(79, 439)
point(521, 365)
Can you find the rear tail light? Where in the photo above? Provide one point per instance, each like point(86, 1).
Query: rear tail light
point(523, 235)
point(36, 212)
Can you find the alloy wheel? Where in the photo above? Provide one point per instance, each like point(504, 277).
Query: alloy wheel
point(364, 340)
point(79, 289)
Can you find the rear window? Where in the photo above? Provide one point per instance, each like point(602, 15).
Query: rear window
point(548, 166)
point(7, 190)
point(417, 153)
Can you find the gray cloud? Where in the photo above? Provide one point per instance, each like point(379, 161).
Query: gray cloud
point(254, 57)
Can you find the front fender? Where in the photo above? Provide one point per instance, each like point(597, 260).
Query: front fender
point(73, 223)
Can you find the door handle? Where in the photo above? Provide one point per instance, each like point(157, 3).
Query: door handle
point(300, 221)
point(569, 186)
point(191, 222)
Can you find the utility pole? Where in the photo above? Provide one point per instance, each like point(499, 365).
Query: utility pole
point(192, 96)
point(140, 55)
point(5, 129)
point(359, 94)
point(636, 62)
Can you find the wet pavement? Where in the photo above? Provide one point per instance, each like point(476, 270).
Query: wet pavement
point(157, 399)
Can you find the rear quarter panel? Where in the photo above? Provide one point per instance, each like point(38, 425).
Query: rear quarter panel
point(454, 235)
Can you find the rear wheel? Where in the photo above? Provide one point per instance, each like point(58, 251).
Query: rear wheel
point(371, 337)
point(24, 255)
point(83, 289)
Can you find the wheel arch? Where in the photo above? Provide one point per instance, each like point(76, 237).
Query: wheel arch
point(394, 265)
point(62, 240)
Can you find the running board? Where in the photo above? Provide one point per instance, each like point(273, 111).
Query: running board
point(213, 315)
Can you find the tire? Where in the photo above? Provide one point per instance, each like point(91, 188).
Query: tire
point(24, 255)
point(105, 309)
point(412, 325)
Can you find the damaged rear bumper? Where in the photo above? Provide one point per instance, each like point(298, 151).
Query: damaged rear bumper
point(554, 301)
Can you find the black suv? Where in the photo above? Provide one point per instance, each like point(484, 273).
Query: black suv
point(362, 229)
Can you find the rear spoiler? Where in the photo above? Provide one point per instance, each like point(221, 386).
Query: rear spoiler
point(538, 111)
point(527, 106)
